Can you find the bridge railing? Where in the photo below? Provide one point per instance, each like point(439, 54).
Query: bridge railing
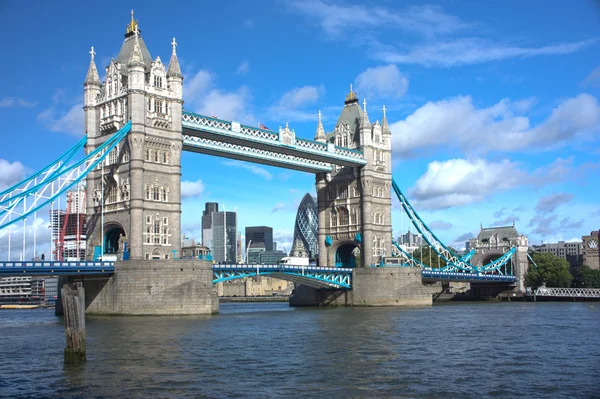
point(566, 292)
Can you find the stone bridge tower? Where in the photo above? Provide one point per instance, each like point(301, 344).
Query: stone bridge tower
point(142, 201)
point(354, 204)
point(493, 242)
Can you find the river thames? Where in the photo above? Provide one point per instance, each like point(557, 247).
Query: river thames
point(268, 350)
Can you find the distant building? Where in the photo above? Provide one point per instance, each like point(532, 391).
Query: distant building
point(305, 243)
point(239, 247)
point(20, 288)
point(591, 250)
point(68, 228)
point(256, 286)
point(410, 239)
point(224, 237)
point(253, 254)
point(207, 231)
point(191, 249)
point(271, 257)
point(572, 252)
point(260, 235)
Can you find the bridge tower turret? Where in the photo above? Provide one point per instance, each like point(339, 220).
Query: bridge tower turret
point(355, 204)
point(141, 202)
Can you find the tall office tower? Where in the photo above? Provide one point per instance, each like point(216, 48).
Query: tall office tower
point(239, 247)
point(207, 230)
point(224, 237)
point(305, 229)
point(261, 236)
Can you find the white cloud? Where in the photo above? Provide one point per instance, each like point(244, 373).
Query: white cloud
point(257, 170)
point(248, 23)
point(11, 173)
point(284, 239)
point(467, 51)
point(203, 97)
point(550, 202)
point(457, 122)
point(382, 82)
point(243, 68)
point(338, 19)
point(289, 106)
point(42, 234)
point(593, 79)
point(8, 102)
point(191, 188)
point(459, 182)
point(70, 122)
point(278, 207)
point(506, 221)
point(440, 225)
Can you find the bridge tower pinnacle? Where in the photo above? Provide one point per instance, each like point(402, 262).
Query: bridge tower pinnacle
point(141, 201)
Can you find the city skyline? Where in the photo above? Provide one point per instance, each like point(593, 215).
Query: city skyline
point(478, 136)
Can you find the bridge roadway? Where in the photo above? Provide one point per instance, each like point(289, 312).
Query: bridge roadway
point(313, 276)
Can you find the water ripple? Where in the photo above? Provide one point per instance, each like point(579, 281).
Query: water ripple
point(491, 350)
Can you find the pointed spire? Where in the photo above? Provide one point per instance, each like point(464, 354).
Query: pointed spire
point(92, 74)
point(384, 123)
point(136, 58)
point(320, 135)
point(174, 69)
point(364, 123)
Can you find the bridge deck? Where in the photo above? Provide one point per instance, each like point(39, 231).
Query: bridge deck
point(54, 268)
point(430, 275)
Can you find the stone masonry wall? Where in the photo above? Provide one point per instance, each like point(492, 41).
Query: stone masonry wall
point(165, 287)
point(388, 286)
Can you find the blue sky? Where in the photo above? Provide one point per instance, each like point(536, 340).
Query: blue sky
point(494, 105)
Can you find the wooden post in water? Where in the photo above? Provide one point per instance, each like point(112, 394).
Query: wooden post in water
point(73, 301)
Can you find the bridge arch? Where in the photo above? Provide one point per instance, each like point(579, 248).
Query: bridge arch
point(346, 253)
point(113, 232)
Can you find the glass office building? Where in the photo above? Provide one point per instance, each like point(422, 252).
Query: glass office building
point(307, 225)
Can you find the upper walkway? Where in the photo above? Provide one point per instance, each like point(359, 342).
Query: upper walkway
point(230, 139)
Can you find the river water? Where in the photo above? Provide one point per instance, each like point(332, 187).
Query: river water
point(269, 350)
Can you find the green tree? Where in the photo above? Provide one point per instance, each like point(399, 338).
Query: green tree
point(426, 255)
point(549, 269)
point(586, 277)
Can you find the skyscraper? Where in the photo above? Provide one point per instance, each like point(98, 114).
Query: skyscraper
point(207, 231)
point(260, 235)
point(306, 228)
point(224, 237)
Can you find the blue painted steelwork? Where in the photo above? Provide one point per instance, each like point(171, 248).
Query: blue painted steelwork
point(438, 246)
point(492, 267)
point(54, 268)
point(465, 277)
point(468, 256)
point(52, 168)
point(74, 173)
point(200, 126)
point(317, 277)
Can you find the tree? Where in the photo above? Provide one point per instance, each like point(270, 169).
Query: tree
point(586, 277)
point(425, 253)
point(549, 269)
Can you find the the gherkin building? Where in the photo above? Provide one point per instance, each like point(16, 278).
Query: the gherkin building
point(306, 228)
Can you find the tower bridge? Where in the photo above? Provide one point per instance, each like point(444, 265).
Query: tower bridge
point(136, 129)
